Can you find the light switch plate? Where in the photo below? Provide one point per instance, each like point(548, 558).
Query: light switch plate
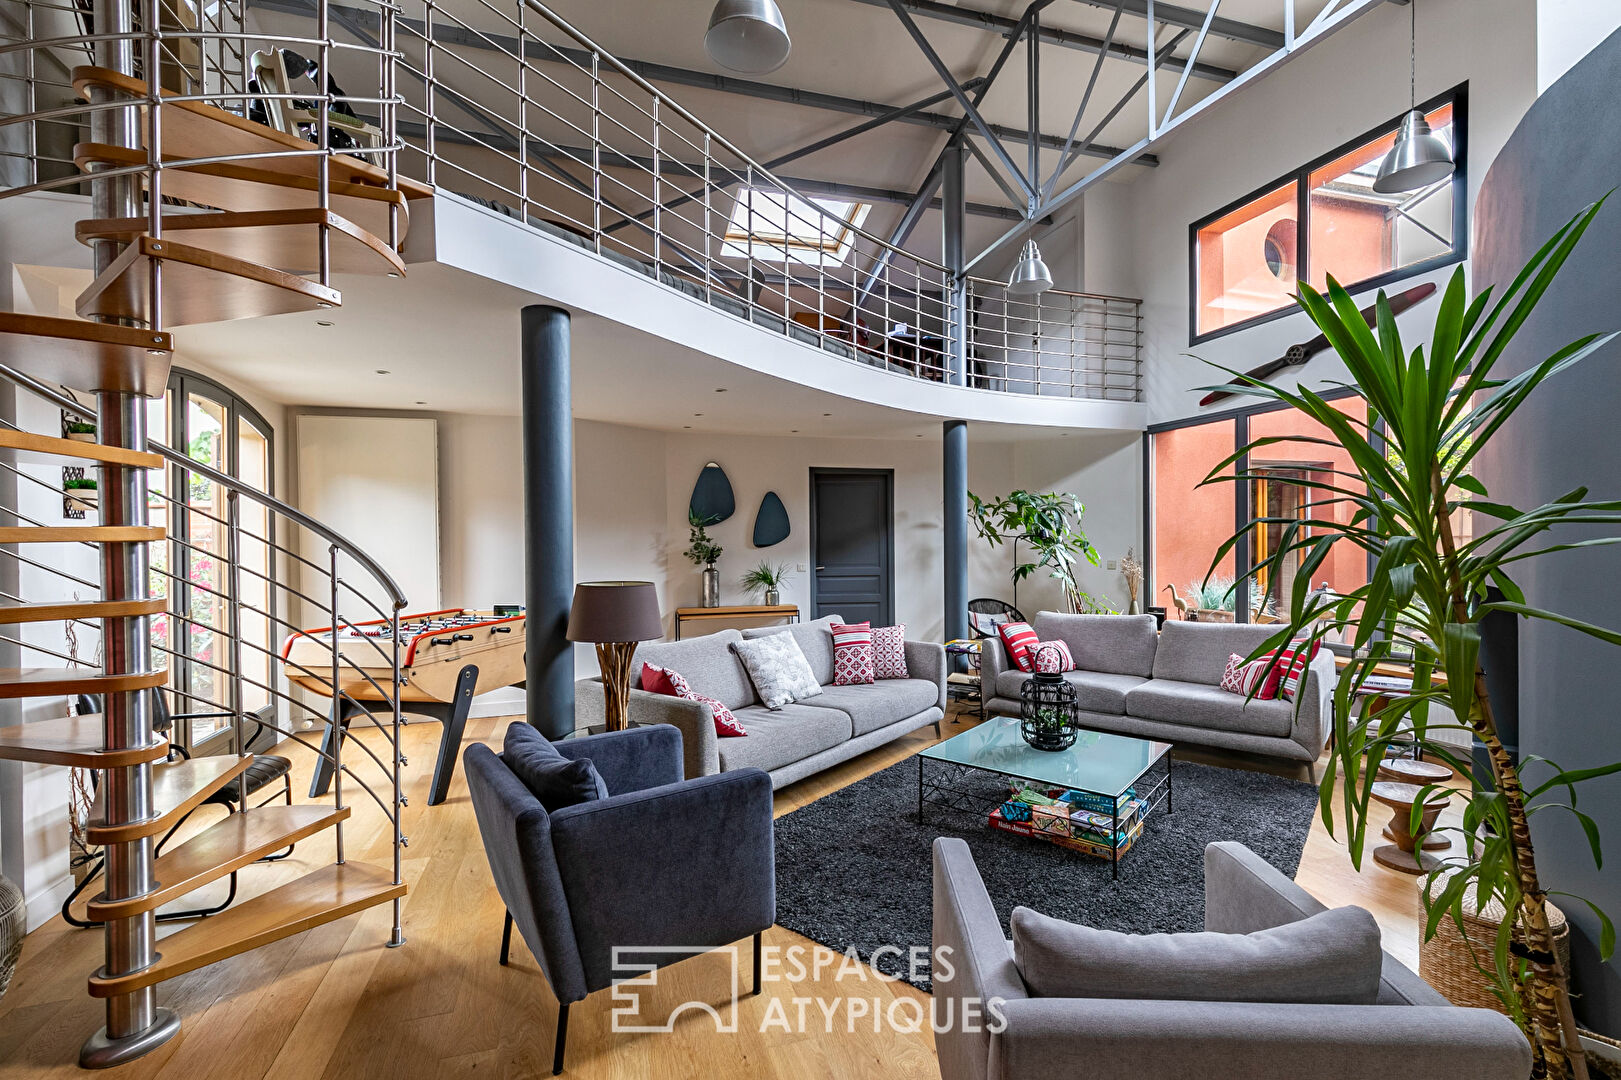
point(1110, 565)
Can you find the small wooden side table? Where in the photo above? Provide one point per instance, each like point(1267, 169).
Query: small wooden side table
point(683, 615)
point(1418, 773)
point(1405, 855)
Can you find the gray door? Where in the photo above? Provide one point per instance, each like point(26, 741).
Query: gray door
point(852, 545)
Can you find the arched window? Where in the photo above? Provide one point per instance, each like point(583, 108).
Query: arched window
point(215, 427)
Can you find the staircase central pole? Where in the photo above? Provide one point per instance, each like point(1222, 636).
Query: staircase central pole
point(135, 1025)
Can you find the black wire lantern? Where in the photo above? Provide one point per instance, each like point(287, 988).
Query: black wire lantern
point(1047, 712)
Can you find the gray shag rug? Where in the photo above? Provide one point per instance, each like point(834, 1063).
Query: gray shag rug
point(855, 868)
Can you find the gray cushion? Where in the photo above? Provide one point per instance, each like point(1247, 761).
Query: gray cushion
point(1117, 644)
point(1332, 958)
point(815, 641)
point(555, 780)
point(778, 737)
point(1095, 691)
point(877, 705)
point(707, 663)
point(1198, 705)
point(778, 670)
point(1197, 652)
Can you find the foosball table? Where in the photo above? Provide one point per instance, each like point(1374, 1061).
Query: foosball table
point(445, 658)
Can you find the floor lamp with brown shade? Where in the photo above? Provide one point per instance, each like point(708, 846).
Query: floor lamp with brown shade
point(614, 616)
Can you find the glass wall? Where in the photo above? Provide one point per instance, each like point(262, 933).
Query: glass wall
point(1188, 523)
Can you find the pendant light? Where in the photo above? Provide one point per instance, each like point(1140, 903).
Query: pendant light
point(1030, 275)
point(1419, 158)
point(747, 36)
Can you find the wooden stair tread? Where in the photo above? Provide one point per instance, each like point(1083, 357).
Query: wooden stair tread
point(195, 129)
point(328, 894)
point(287, 240)
point(86, 355)
point(199, 286)
point(74, 534)
point(71, 740)
point(177, 789)
point(242, 187)
point(26, 682)
point(11, 614)
point(219, 850)
point(26, 442)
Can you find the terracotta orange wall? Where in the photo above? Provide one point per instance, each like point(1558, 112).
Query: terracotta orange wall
point(1190, 522)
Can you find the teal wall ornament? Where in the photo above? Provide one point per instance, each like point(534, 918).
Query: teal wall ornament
point(712, 499)
point(770, 521)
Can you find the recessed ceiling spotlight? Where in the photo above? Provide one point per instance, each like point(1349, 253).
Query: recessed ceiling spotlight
point(720, 389)
point(697, 414)
point(422, 403)
point(827, 414)
point(323, 322)
point(793, 431)
point(381, 371)
point(392, 274)
point(686, 427)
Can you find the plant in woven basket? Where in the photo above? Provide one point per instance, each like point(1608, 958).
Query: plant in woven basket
point(1428, 413)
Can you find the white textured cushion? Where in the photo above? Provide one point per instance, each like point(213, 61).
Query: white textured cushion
point(778, 669)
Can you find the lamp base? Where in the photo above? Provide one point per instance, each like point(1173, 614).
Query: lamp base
point(614, 658)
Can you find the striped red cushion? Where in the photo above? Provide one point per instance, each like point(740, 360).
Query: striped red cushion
point(1288, 668)
point(1249, 678)
point(670, 683)
point(1019, 639)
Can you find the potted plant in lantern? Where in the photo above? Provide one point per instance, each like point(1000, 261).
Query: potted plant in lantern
point(81, 431)
point(706, 553)
point(81, 489)
point(1423, 415)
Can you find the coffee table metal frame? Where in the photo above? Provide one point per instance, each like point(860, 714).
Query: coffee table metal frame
point(935, 788)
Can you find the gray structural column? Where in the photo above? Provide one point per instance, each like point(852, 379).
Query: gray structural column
point(548, 498)
point(954, 509)
point(953, 199)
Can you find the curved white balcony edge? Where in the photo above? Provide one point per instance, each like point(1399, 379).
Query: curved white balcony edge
point(478, 240)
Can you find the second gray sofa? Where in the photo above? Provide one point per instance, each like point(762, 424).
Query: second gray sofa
point(1164, 685)
point(796, 740)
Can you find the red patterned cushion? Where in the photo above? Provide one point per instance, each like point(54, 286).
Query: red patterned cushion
point(1053, 657)
point(853, 658)
point(670, 683)
point(1020, 641)
point(1248, 678)
point(889, 652)
point(1292, 664)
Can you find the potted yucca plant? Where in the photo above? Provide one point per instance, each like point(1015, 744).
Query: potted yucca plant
point(1424, 415)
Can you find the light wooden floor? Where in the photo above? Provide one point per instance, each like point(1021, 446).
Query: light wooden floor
point(335, 1003)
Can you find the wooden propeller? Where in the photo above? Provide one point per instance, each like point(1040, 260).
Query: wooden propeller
point(1299, 354)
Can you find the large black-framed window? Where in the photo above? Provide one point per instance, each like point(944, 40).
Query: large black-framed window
point(1185, 524)
point(1245, 259)
point(212, 425)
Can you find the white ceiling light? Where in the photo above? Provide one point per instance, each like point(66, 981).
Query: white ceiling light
point(1418, 159)
point(747, 36)
point(1030, 275)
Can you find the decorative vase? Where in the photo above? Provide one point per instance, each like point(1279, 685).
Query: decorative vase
point(1131, 608)
point(13, 925)
point(711, 587)
point(772, 598)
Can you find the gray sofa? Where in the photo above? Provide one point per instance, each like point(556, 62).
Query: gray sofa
point(796, 740)
point(1163, 685)
point(1411, 1034)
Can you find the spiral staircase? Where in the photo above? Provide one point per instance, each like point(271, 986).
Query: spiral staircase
point(197, 215)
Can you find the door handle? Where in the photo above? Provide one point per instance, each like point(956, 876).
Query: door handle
point(821, 568)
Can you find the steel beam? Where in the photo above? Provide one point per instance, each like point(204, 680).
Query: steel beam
point(944, 72)
point(1193, 19)
point(726, 84)
point(1351, 11)
point(991, 22)
point(548, 487)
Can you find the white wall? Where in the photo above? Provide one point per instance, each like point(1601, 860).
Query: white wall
point(1567, 30)
point(1354, 81)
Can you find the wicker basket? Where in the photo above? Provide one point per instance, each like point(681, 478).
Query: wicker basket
point(1448, 962)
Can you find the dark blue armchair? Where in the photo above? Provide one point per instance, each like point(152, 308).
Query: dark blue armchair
point(662, 861)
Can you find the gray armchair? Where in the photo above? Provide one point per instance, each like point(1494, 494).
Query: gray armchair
point(699, 852)
point(1412, 1034)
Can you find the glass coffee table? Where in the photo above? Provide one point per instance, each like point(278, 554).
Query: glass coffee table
point(1115, 779)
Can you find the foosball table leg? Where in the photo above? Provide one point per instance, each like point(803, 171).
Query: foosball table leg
point(450, 743)
point(337, 723)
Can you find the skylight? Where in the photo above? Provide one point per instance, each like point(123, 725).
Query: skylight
point(777, 226)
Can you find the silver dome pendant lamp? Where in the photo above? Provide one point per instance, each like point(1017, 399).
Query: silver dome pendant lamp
point(1419, 158)
point(1030, 274)
point(747, 36)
